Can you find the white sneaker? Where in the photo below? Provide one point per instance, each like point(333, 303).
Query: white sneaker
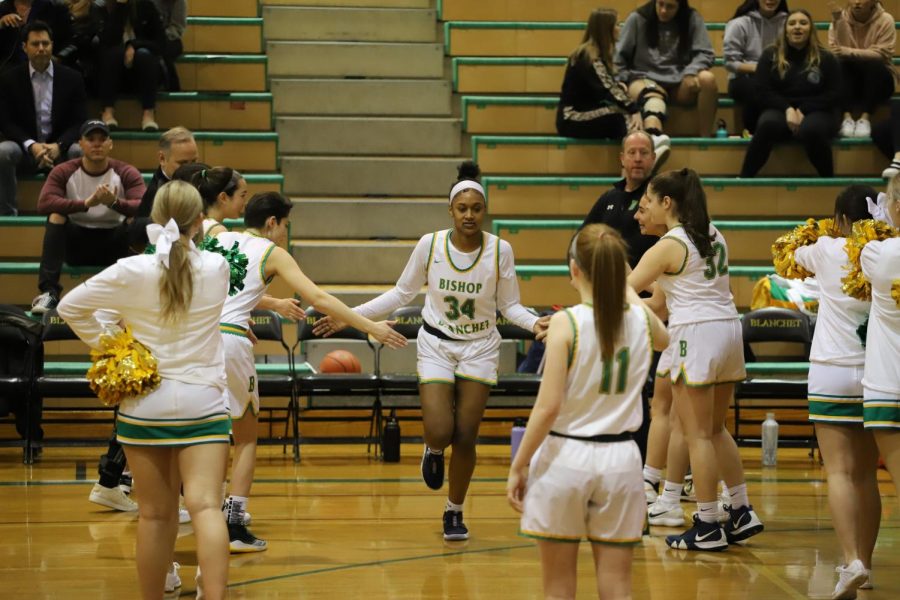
point(848, 128)
point(113, 498)
point(660, 513)
point(687, 492)
point(43, 303)
point(868, 584)
point(651, 492)
point(863, 129)
point(892, 170)
point(662, 145)
point(173, 581)
point(849, 579)
point(183, 516)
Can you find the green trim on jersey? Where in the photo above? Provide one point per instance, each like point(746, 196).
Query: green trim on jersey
point(430, 253)
point(574, 347)
point(450, 258)
point(649, 327)
point(262, 265)
point(686, 255)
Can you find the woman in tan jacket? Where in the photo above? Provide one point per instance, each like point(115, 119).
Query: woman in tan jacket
point(862, 37)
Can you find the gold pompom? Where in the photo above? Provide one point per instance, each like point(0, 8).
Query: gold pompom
point(855, 284)
point(803, 235)
point(123, 367)
point(895, 292)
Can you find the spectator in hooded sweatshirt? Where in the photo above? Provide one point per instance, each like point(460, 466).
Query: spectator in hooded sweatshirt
point(862, 37)
point(756, 25)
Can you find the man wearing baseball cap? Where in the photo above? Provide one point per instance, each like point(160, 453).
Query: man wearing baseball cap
point(88, 201)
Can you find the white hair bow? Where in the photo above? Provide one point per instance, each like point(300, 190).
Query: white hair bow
point(878, 209)
point(163, 238)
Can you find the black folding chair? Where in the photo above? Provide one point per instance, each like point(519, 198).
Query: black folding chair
point(266, 326)
point(335, 385)
point(773, 324)
point(22, 355)
point(515, 384)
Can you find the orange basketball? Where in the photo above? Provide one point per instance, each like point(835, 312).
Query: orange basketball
point(339, 361)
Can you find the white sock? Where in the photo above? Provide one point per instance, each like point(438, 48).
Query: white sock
point(652, 475)
point(708, 511)
point(236, 507)
point(453, 507)
point(672, 493)
point(739, 496)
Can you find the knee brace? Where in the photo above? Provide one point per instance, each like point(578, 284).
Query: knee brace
point(112, 466)
point(652, 101)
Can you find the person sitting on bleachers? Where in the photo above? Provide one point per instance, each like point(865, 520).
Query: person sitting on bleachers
point(133, 42)
point(862, 36)
point(174, 19)
point(42, 105)
point(177, 147)
point(17, 14)
point(756, 25)
point(799, 90)
point(886, 137)
point(664, 55)
point(592, 104)
point(82, 50)
point(87, 200)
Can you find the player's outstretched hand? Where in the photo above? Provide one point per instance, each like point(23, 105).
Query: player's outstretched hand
point(515, 487)
point(327, 326)
point(384, 333)
point(290, 308)
point(540, 327)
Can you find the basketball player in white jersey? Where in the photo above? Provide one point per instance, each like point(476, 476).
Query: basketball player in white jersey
point(266, 218)
point(690, 263)
point(835, 396)
point(881, 379)
point(585, 476)
point(469, 275)
point(224, 193)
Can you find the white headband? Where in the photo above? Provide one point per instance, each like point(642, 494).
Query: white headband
point(163, 238)
point(878, 209)
point(466, 184)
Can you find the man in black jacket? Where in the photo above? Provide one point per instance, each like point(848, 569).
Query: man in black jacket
point(617, 207)
point(177, 147)
point(42, 107)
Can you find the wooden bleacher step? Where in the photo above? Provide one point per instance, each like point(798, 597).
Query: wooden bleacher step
point(352, 24)
point(369, 135)
point(398, 97)
point(361, 218)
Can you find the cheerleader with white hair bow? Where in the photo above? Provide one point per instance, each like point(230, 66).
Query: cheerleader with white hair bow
point(158, 295)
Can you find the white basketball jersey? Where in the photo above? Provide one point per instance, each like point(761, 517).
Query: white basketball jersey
point(701, 290)
point(257, 249)
point(604, 397)
point(881, 266)
point(461, 297)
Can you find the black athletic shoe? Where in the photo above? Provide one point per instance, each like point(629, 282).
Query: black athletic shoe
point(433, 469)
point(742, 523)
point(454, 528)
point(241, 540)
point(704, 536)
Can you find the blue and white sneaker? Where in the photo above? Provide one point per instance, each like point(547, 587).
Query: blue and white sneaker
point(433, 469)
point(742, 524)
point(454, 528)
point(708, 537)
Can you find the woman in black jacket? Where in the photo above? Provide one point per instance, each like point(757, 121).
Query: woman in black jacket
point(592, 103)
point(799, 88)
point(133, 40)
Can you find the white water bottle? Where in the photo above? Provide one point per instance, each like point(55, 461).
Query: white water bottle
point(769, 441)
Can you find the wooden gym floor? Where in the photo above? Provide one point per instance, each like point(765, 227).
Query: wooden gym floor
point(341, 525)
